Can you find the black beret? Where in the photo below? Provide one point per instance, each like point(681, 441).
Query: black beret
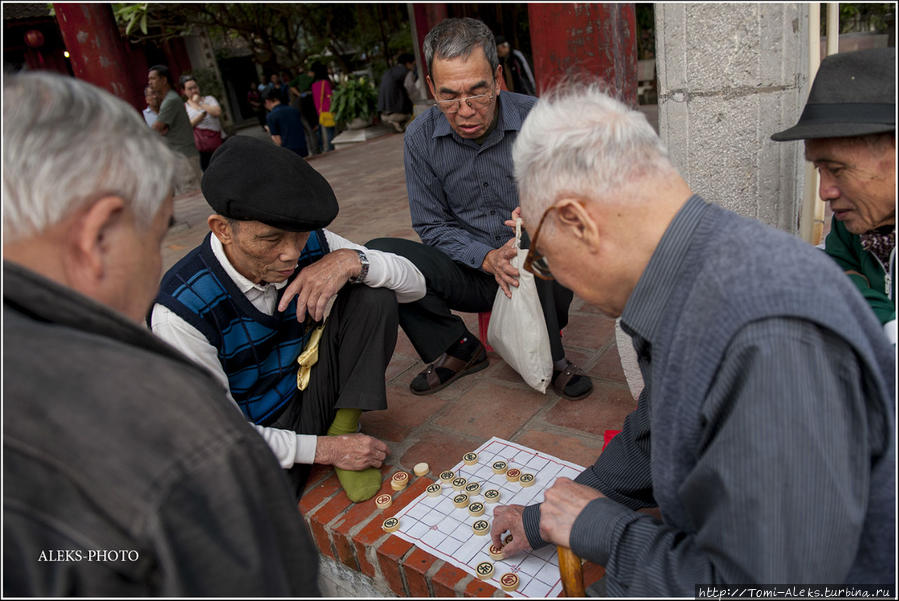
point(255, 180)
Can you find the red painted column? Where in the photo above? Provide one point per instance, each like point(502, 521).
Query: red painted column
point(593, 39)
point(97, 51)
point(426, 17)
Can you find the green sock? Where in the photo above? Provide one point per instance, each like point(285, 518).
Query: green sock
point(363, 484)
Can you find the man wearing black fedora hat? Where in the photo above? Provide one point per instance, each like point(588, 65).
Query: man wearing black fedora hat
point(849, 128)
point(301, 386)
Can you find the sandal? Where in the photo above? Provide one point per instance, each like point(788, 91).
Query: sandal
point(451, 368)
point(562, 379)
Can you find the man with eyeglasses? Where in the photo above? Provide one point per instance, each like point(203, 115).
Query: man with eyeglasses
point(764, 434)
point(458, 159)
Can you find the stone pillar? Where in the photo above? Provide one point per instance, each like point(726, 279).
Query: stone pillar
point(730, 75)
point(97, 52)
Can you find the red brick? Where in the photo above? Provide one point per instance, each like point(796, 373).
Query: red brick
point(389, 554)
point(592, 573)
point(317, 474)
point(415, 567)
point(508, 410)
point(345, 551)
point(582, 450)
point(318, 493)
point(324, 514)
point(350, 554)
point(405, 412)
point(360, 512)
point(609, 366)
point(445, 580)
point(441, 449)
point(371, 532)
point(479, 588)
point(603, 410)
point(365, 566)
point(321, 538)
point(588, 330)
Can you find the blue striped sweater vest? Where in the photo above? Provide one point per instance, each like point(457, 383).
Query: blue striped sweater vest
point(258, 352)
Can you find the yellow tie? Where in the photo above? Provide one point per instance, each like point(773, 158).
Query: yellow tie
point(308, 358)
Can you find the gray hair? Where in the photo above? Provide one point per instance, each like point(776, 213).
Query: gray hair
point(452, 38)
point(580, 140)
point(67, 143)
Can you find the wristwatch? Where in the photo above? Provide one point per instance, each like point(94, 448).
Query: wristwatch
point(358, 279)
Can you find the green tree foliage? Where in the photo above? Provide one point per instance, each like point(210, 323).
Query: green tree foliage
point(283, 35)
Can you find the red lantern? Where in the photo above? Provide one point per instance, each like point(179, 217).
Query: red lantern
point(34, 38)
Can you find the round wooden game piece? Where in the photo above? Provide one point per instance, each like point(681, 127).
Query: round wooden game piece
point(459, 483)
point(507, 539)
point(509, 581)
point(472, 488)
point(476, 509)
point(460, 500)
point(470, 458)
point(495, 552)
point(390, 525)
point(421, 469)
point(484, 570)
point(491, 496)
point(499, 467)
point(384, 501)
point(513, 474)
point(399, 481)
point(481, 527)
point(446, 476)
point(433, 490)
point(527, 479)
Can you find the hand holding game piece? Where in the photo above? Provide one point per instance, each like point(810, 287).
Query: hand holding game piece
point(507, 518)
point(562, 503)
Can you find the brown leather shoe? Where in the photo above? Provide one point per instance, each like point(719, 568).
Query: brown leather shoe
point(448, 369)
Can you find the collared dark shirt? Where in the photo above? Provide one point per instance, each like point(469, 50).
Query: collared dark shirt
point(462, 192)
point(782, 482)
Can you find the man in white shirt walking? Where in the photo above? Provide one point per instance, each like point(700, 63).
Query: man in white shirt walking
point(219, 306)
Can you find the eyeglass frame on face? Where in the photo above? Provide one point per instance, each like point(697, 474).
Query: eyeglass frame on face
point(534, 261)
point(451, 107)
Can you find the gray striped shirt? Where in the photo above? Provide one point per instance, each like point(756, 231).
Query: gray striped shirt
point(781, 488)
point(461, 192)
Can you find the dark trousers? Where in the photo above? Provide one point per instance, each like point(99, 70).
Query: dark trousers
point(451, 286)
point(355, 348)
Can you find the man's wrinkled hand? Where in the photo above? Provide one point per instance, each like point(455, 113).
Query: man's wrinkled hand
point(317, 283)
point(498, 262)
point(516, 214)
point(508, 518)
point(562, 503)
point(350, 451)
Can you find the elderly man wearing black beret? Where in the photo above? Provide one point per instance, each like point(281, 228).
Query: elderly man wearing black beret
point(849, 128)
point(219, 306)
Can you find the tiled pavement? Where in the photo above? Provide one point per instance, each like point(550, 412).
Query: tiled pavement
point(369, 185)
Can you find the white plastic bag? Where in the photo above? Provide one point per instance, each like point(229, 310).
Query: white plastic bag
point(517, 329)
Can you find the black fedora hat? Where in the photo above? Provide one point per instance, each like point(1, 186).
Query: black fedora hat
point(854, 94)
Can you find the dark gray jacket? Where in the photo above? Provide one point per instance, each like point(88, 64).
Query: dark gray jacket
point(126, 471)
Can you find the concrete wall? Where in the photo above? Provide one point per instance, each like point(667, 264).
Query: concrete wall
point(730, 75)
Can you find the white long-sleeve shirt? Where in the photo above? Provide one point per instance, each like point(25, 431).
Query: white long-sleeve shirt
point(386, 270)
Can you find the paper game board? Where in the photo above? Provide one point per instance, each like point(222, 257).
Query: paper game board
point(439, 527)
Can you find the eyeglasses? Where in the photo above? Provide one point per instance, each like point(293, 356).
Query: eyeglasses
point(534, 261)
point(451, 107)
